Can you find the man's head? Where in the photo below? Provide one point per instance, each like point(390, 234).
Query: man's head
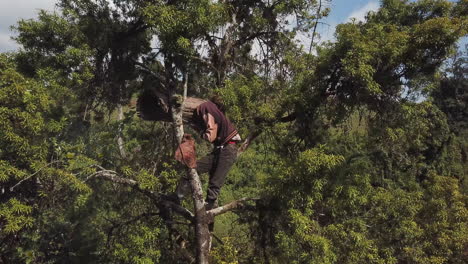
point(218, 101)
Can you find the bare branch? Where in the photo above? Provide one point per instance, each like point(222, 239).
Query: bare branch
point(248, 141)
point(181, 243)
point(36, 172)
point(217, 238)
point(242, 41)
point(177, 208)
point(185, 86)
point(120, 141)
point(118, 225)
point(315, 26)
point(161, 200)
point(230, 206)
point(112, 176)
point(254, 134)
point(146, 69)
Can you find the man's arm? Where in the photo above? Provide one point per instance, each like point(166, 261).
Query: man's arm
point(211, 128)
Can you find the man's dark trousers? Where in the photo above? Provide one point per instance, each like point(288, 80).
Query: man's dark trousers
point(217, 164)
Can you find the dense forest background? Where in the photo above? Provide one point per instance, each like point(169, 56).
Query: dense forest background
point(360, 150)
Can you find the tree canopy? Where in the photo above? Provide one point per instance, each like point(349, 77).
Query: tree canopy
point(357, 146)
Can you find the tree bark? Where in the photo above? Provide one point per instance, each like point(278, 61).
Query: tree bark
point(202, 232)
point(201, 220)
point(120, 141)
point(229, 207)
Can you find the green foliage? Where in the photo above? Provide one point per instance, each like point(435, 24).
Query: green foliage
point(373, 62)
point(225, 253)
point(362, 156)
point(137, 248)
point(313, 248)
point(29, 179)
point(68, 54)
point(16, 216)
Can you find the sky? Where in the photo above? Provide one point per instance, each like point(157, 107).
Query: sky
point(13, 10)
point(342, 11)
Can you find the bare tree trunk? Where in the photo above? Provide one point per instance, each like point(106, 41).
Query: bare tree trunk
point(318, 16)
point(202, 232)
point(120, 141)
point(201, 220)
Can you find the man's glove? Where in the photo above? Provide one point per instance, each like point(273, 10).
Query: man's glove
point(185, 153)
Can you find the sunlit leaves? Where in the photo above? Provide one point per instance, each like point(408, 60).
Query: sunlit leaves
point(365, 173)
point(16, 216)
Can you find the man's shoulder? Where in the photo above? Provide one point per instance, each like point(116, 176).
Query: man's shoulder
point(207, 106)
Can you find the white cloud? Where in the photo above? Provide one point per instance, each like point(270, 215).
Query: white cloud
point(360, 14)
point(13, 10)
point(327, 31)
point(6, 44)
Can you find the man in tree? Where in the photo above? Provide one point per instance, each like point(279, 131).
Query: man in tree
point(210, 120)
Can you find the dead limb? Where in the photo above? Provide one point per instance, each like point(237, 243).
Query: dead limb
point(35, 173)
point(317, 17)
point(164, 205)
point(263, 123)
point(118, 225)
point(113, 177)
point(248, 141)
point(120, 140)
point(158, 198)
point(238, 204)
